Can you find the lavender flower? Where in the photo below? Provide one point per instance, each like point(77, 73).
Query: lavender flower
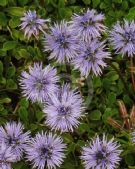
point(122, 38)
point(91, 58)
point(6, 157)
point(88, 25)
point(32, 24)
point(64, 110)
point(39, 83)
point(101, 154)
point(46, 150)
point(61, 42)
point(12, 135)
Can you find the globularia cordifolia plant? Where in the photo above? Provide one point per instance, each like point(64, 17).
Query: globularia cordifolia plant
point(80, 43)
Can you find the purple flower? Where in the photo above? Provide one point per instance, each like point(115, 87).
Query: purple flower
point(88, 25)
point(61, 42)
point(39, 83)
point(32, 24)
point(122, 38)
point(46, 150)
point(6, 157)
point(91, 57)
point(12, 135)
point(64, 110)
point(101, 154)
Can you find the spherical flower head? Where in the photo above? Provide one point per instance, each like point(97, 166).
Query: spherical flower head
point(122, 38)
point(61, 42)
point(7, 157)
point(39, 83)
point(32, 24)
point(46, 150)
point(13, 136)
point(64, 110)
point(101, 154)
point(89, 24)
point(91, 57)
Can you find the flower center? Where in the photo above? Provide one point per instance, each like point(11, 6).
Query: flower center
point(45, 152)
point(62, 41)
point(101, 156)
point(89, 56)
point(87, 22)
point(63, 110)
point(40, 84)
point(12, 141)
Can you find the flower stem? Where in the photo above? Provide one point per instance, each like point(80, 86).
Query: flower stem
point(132, 73)
point(130, 94)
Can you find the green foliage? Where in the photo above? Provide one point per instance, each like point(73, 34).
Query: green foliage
point(17, 53)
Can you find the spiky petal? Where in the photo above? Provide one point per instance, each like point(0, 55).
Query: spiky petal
point(122, 38)
point(13, 136)
point(39, 83)
point(101, 154)
point(64, 110)
point(46, 150)
point(62, 43)
point(91, 57)
point(88, 25)
point(32, 24)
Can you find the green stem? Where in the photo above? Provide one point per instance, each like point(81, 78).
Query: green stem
point(131, 95)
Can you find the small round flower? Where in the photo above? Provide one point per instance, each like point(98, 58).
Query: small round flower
point(32, 24)
point(88, 25)
point(12, 135)
point(122, 38)
point(64, 110)
point(46, 150)
point(101, 154)
point(39, 83)
point(6, 157)
point(91, 57)
point(61, 42)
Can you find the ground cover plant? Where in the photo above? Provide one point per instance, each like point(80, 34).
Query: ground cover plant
point(67, 85)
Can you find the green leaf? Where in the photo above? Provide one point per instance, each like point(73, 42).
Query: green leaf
point(14, 22)
point(11, 72)
point(95, 3)
point(95, 115)
point(129, 158)
point(16, 11)
point(11, 84)
point(3, 2)
point(87, 2)
point(9, 45)
point(23, 114)
point(1, 68)
point(24, 103)
point(23, 53)
point(3, 19)
point(5, 100)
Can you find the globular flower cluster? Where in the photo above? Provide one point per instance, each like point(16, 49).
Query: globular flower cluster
point(122, 38)
point(91, 57)
point(78, 43)
point(32, 24)
point(101, 154)
point(89, 24)
point(39, 83)
point(64, 110)
point(61, 42)
point(46, 150)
